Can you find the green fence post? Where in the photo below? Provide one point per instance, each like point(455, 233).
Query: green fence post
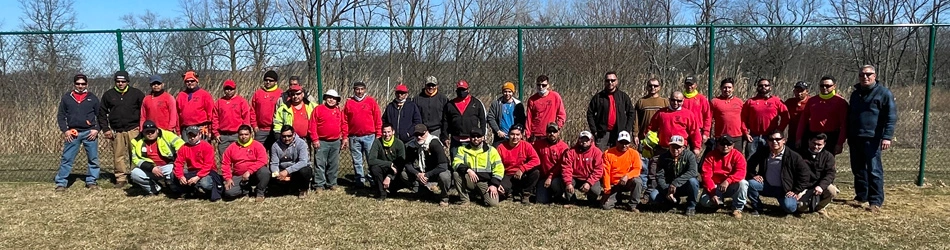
point(930, 82)
point(712, 61)
point(317, 62)
point(118, 42)
point(520, 64)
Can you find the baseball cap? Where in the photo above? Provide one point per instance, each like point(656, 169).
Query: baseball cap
point(419, 129)
point(801, 85)
point(149, 125)
point(121, 75)
point(690, 79)
point(359, 84)
point(586, 134)
point(430, 80)
point(401, 88)
point(725, 140)
point(189, 132)
point(80, 76)
point(477, 132)
point(677, 140)
point(155, 79)
point(624, 136)
point(552, 128)
point(462, 84)
point(296, 88)
point(229, 84)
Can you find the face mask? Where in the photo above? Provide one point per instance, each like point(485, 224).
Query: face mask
point(461, 93)
point(542, 91)
point(400, 100)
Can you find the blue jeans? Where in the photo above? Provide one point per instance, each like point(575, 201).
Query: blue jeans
point(544, 195)
point(148, 180)
point(690, 189)
point(70, 150)
point(756, 189)
point(327, 164)
point(359, 147)
point(645, 173)
point(758, 141)
point(738, 192)
point(867, 169)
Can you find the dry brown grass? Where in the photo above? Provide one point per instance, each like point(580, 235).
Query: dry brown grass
point(35, 217)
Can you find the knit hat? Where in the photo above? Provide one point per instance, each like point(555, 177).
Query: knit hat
point(121, 75)
point(190, 75)
point(272, 75)
point(509, 86)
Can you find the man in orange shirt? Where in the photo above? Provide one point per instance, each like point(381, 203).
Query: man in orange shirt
point(621, 173)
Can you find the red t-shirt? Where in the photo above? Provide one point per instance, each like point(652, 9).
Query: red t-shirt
point(462, 104)
point(301, 121)
point(151, 151)
point(612, 114)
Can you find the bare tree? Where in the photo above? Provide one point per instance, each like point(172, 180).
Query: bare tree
point(49, 55)
point(261, 14)
point(150, 51)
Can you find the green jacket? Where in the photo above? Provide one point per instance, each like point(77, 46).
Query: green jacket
point(484, 160)
point(168, 145)
point(380, 156)
point(285, 116)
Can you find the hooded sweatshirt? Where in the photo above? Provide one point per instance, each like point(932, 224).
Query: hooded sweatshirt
point(520, 157)
point(586, 165)
point(238, 159)
point(296, 152)
point(427, 156)
point(198, 157)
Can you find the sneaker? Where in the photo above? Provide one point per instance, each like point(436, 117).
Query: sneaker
point(302, 194)
point(121, 184)
point(443, 203)
point(690, 212)
point(526, 199)
point(92, 186)
point(60, 189)
point(260, 198)
point(854, 203)
point(874, 208)
point(823, 213)
point(737, 213)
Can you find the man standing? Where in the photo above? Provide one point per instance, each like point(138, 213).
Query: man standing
point(263, 106)
point(77, 118)
point(778, 173)
point(195, 105)
point(295, 113)
point(242, 165)
point(290, 160)
point(544, 107)
point(613, 106)
point(761, 114)
point(724, 173)
point(160, 107)
point(462, 115)
point(622, 167)
point(119, 115)
point(478, 168)
point(425, 159)
point(386, 154)
point(583, 169)
point(871, 121)
point(328, 130)
point(431, 104)
point(795, 106)
point(727, 114)
point(699, 104)
point(194, 165)
point(365, 121)
point(154, 152)
point(649, 104)
point(230, 112)
point(521, 166)
point(822, 166)
point(551, 151)
point(403, 114)
point(677, 175)
point(827, 114)
point(505, 112)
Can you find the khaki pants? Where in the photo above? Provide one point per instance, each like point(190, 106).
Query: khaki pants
point(120, 149)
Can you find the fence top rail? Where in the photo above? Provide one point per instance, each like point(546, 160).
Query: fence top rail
point(629, 26)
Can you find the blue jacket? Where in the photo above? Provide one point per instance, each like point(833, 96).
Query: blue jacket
point(81, 116)
point(872, 113)
point(403, 119)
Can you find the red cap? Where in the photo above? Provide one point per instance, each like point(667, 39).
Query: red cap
point(402, 88)
point(230, 83)
point(296, 87)
point(462, 84)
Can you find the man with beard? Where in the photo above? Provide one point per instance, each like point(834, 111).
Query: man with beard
point(403, 114)
point(727, 114)
point(431, 103)
point(461, 116)
point(119, 114)
point(827, 114)
point(263, 105)
point(521, 166)
point(195, 105)
point(505, 112)
point(160, 107)
point(761, 114)
point(551, 151)
point(426, 162)
point(154, 152)
point(677, 175)
point(795, 106)
point(613, 106)
point(649, 104)
point(699, 104)
point(583, 170)
point(478, 169)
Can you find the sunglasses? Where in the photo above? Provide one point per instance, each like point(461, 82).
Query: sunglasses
point(298, 93)
point(827, 86)
point(775, 139)
point(228, 89)
point(150, 131)
point(81, 84)
point(677, 101)
point(611, 80)
point(542, 85)
point(866, 74)
point(269, 80)
point(191, 81)
point(287, 136)
point(654, 85)
point(121, 81)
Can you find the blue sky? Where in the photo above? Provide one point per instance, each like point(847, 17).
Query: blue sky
point(97, 14)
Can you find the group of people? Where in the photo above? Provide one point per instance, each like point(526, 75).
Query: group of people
point(662, 149)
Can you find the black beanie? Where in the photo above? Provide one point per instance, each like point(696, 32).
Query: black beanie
point(121, 74)
point(271, 74)
point(80, 76)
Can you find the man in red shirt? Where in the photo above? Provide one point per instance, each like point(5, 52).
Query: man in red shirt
point(582, 170)
point(244, 164)
point(551, 151)
point(795, 106)
point(761, 114)
point(676, 120)
point(827, 114)
point(699, 104)
point(195, 105)
point(727, 114)
point(328, 133)
point(544, 107)
point(263, 106)
point(194, 165)
point(230, 112)
point(521, 166)
point(160, 107)
point(724, 176)
point(366, 124)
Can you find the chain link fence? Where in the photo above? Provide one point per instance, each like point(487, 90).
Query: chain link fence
point(36, 69)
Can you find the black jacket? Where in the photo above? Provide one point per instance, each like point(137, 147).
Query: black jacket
point(669, 172)
point(599, 108)
point(872, 113)
point(822, 165)
point(433, 156)
point(796, 175)
point(431, 107)
point(461, 124)
point(120, 112)
point(81, 116)
point(403, 119)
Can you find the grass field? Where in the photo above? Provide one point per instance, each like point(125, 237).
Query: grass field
point(34, 217)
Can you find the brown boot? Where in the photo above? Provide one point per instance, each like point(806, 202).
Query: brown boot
point(92, 186)
point(854, 203)
point(302, 194)
point(874, 208)
point(121, 184)
point(60, 189)
point(737, 213)
point(260, 198)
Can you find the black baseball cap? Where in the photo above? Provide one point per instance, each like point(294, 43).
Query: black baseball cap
point(149, 125)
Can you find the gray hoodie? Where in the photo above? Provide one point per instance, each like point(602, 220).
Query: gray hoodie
point(291, 157)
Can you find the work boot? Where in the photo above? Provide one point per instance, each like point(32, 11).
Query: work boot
point(92, 186)
point(737, 213)
point(60, 189)
point(121, 184)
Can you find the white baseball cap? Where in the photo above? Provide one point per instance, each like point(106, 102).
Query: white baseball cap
point(624, 136)
point(586, 134)
point(677, 140)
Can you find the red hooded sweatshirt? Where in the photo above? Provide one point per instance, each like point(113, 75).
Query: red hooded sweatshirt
point(699, 104)
point(587, 165)
point(551, 157)
point(238, 160)
point(196, 110)
point(519, 157)
point(199, 157)
point(667, 123)
point(263, 106)
point(718, 167)
point(229, 115)
point(363, 117)
point(328, 124)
